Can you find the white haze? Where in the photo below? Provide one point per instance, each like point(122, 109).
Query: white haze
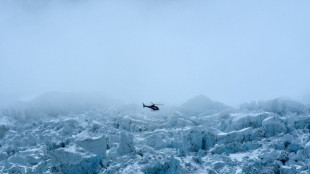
point(162, 51)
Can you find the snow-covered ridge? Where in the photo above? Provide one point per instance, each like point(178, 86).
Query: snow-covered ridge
point(269, 140)
point(52, 104)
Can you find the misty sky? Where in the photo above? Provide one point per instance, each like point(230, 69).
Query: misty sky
point(156, 50)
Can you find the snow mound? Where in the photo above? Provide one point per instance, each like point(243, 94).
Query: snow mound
point(202, 104)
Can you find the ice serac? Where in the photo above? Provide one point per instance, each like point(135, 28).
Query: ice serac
point(193, 139)
point(300, 122)
point(177, 121)
point(30, 160)
point(95, 145)
point(282, 106)
point(171, 165)
point(126, 144)
point(307, 149)
point(273, 125)
point(257, 141)
point(3, 130)
point(235, 136)
point(241, 121)
point(156, 141)
point(209, 140)
point(72, 160)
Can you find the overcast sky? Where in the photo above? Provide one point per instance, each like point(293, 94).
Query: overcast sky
point(156, 50)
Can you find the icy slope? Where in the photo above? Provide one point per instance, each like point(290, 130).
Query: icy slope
point(111, 141)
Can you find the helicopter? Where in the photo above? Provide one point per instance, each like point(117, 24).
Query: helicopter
point(153, 106)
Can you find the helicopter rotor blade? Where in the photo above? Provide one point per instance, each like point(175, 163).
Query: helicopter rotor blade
point(156, 104)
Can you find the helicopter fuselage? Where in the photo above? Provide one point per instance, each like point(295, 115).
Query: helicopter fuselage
point(153, 107)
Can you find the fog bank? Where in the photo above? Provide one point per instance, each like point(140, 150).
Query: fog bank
point(160, 51)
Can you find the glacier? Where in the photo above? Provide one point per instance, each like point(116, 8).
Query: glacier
point(259, 137)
